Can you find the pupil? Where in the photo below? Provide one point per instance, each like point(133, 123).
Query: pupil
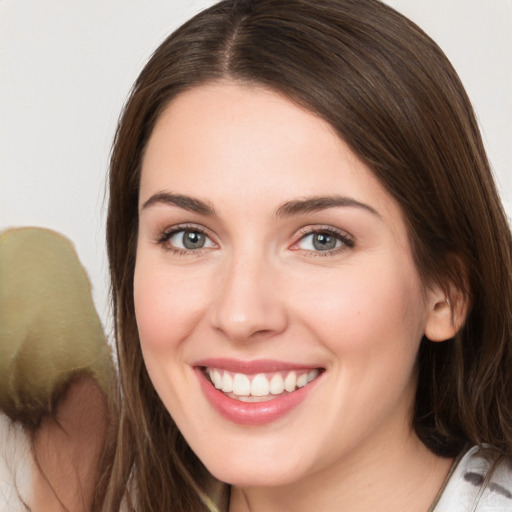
point(193, 240)
point(324, 242)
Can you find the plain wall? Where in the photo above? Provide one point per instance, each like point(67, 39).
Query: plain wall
point(66, 68)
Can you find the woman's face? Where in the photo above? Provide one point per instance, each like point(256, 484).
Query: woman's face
point(272, 264)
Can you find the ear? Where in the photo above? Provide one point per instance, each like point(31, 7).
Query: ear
point(447, 308)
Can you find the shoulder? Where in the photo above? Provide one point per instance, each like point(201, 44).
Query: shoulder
point(480, 481)
point(67, 448)
point(54, 467)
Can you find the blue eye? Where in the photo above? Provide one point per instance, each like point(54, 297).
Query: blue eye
point(186, 240)
point(324, 240)
point(319, 242)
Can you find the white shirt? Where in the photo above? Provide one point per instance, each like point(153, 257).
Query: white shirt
point(480, 482)
point(15, 466)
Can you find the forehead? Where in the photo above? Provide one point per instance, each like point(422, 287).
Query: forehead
point(228, 140)
point(232, 121)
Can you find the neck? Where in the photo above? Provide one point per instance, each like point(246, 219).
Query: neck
point(387, 476)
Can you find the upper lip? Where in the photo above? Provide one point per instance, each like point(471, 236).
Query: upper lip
point(251, 367)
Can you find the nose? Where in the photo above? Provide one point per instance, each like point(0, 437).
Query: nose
point(248, 305)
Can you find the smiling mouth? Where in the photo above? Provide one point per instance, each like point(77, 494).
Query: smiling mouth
point(260, 387)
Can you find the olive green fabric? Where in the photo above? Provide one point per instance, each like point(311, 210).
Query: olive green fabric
point(49, 329)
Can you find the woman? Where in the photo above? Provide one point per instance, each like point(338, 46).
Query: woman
point(310, 272)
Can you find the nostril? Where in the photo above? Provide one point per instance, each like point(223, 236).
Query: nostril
point(247, 307)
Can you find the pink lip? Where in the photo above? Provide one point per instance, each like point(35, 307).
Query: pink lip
point(252, 413)
point(251, 367)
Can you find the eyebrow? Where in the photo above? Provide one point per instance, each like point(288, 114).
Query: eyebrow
point(181, 201)
point(315, 204)
point(289, 208)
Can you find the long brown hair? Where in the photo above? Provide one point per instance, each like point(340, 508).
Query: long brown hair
point(394, 98)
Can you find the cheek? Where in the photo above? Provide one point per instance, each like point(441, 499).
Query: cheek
point(167, 305)
point(364, 307)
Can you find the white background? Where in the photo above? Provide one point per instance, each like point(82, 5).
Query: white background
point(66, 68)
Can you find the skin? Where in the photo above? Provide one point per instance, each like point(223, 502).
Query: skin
point(259, 289)
point(67, 450)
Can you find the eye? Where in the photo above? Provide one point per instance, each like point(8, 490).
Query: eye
point(187, 239)
point(324, 240)
point(182, 239)
point(319, 242)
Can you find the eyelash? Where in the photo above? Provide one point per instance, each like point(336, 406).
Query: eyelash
point(166, 235)
point(347, 242)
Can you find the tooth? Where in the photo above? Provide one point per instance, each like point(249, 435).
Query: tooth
point(217, 379)
point(259, 385)
point(302, 380)
point(227, 383)
point(312, 375)
point(276, 384)
point(241, 385)
point(290, 382)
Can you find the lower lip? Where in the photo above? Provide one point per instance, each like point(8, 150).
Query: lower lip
point(252, 413)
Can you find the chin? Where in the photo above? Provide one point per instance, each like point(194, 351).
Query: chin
point(252, 476)
point(249, 470)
